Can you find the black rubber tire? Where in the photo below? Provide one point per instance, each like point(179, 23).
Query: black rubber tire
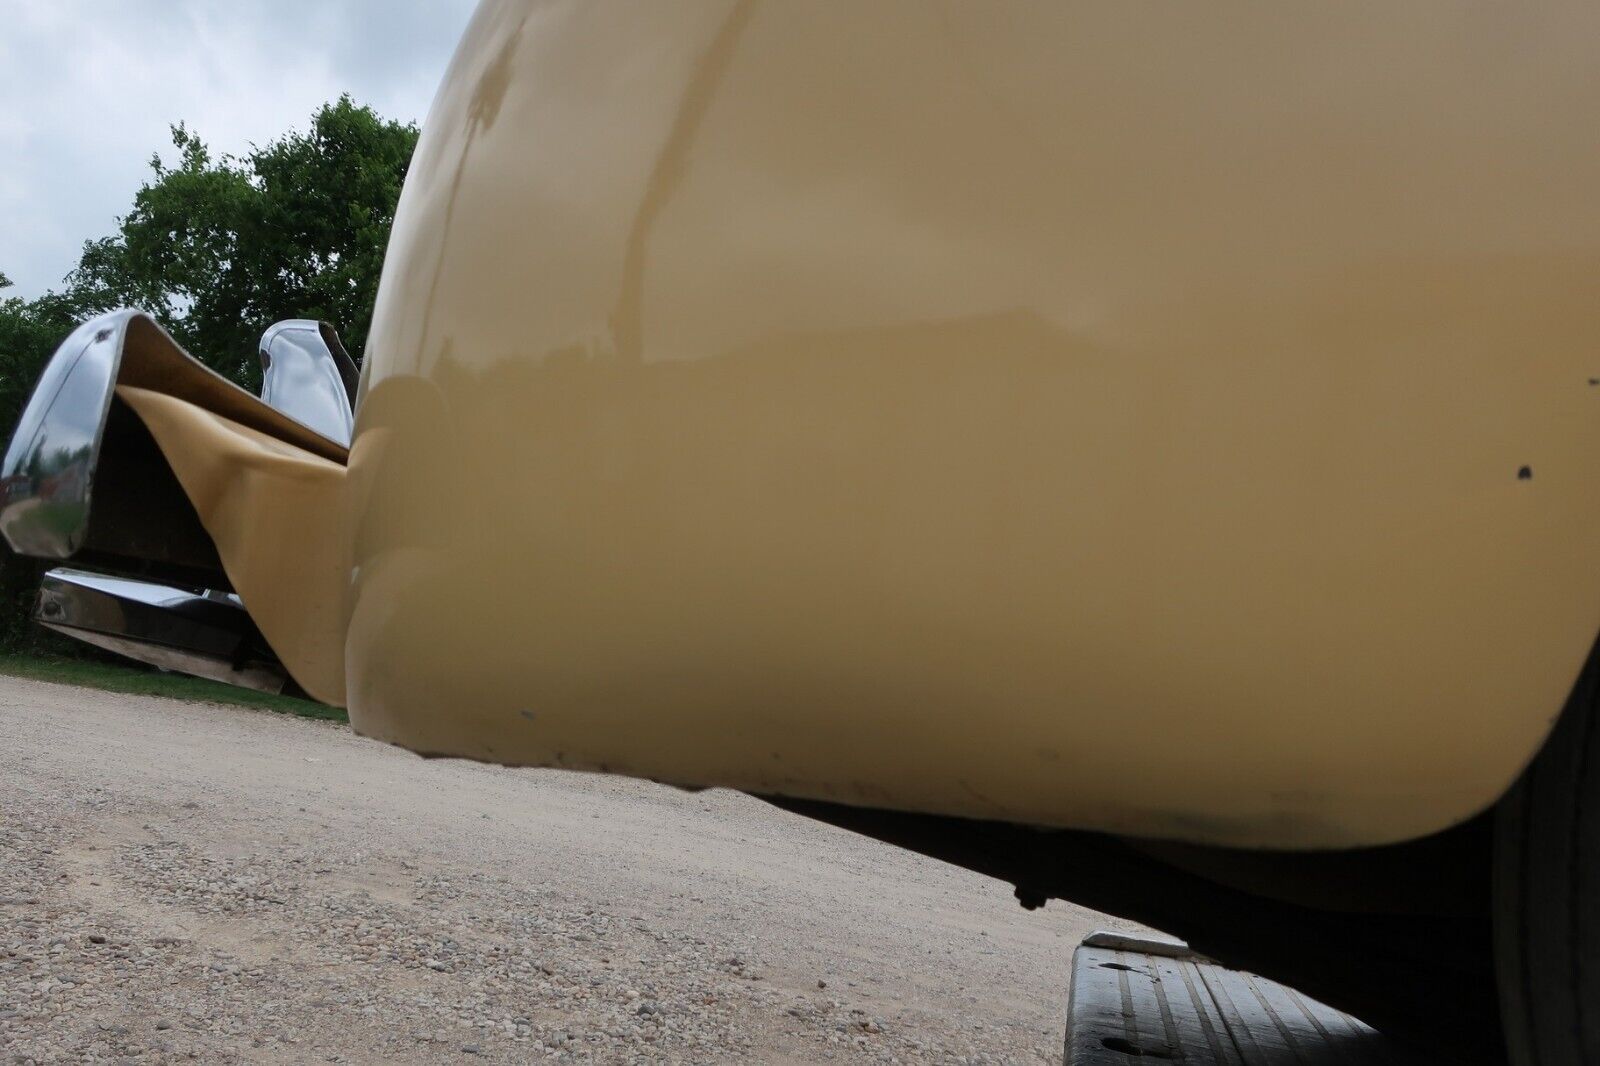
point(1547, 894)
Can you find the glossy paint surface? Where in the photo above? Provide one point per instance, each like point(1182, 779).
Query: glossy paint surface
point(1173, 420)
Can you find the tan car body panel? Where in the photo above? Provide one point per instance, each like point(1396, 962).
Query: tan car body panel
point(1167, 419)
point(275, 512)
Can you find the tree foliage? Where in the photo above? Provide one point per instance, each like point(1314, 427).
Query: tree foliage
point(218, 248)
point(29, 332)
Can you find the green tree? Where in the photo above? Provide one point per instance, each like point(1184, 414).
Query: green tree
point(219, 248)
point(29, 332)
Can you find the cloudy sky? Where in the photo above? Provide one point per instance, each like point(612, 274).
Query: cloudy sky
point(89, 87)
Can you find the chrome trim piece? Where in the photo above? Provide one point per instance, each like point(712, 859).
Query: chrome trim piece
point(303, 376)
point(207, 634)
point(48, 469)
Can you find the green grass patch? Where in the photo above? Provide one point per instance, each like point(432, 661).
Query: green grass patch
point(114, 677)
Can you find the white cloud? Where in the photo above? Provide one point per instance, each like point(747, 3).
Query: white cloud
point(88, 89)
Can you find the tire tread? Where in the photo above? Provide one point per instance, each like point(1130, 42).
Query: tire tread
point(1546, 847)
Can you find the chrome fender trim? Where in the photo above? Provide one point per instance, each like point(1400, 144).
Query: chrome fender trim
point(49, 466)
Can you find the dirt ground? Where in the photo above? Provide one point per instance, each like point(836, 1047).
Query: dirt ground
point(189, 881)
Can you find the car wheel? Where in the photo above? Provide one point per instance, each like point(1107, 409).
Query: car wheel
point(1547, 893)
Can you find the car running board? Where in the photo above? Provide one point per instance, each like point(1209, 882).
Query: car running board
point(1154, 1000)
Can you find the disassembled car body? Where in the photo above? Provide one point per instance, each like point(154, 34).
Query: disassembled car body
point(1147, 454)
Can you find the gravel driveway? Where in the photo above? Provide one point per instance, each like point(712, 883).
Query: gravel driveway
point(188, 881)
